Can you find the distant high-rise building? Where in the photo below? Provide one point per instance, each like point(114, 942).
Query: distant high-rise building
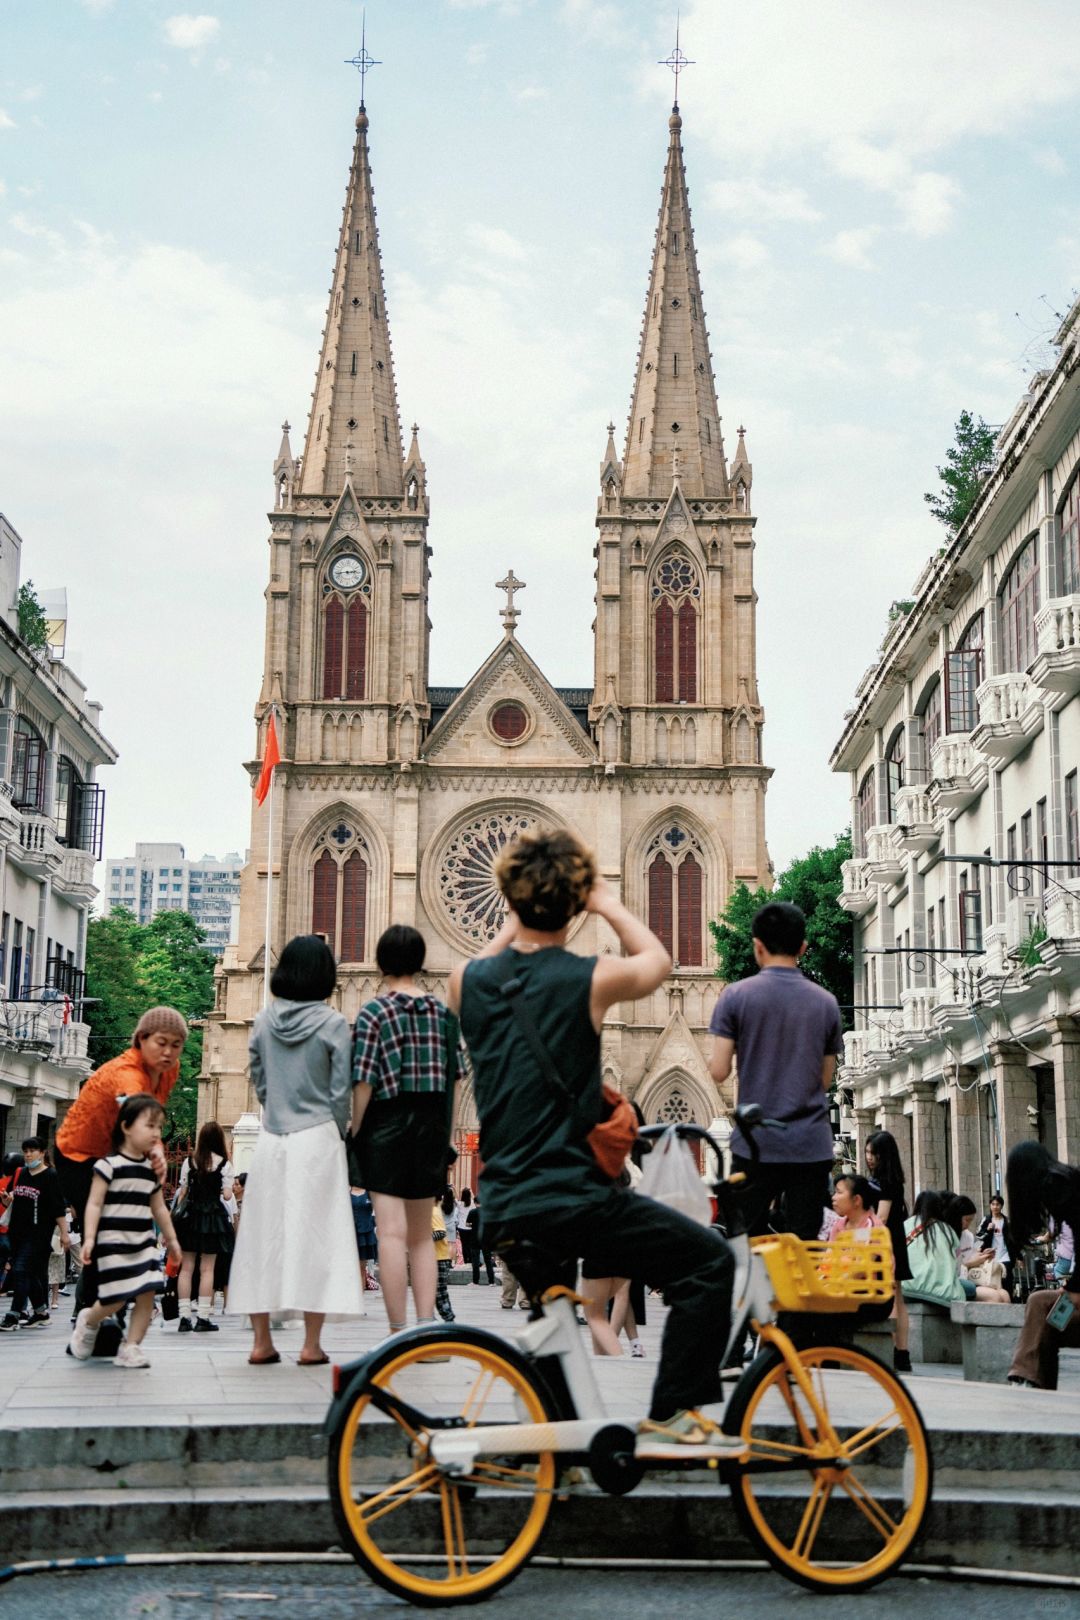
point(159, 877)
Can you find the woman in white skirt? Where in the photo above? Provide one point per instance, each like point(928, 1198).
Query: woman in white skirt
point(296, 1245)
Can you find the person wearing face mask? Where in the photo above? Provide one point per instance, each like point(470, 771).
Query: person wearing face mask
point(37, 1205)
point(151, 1064)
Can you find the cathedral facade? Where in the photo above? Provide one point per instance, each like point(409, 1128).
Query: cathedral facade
point(395, 795)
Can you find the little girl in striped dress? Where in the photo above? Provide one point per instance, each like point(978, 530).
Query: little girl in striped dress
point(118, 1232)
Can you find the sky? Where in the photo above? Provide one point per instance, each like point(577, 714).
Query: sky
point(884, 206)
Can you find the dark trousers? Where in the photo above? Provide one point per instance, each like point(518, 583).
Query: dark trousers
point(631, 1236)
point(481, 1254)
point(466, 1245)
point(1039, 1346)
point(29, 1272)
point(5, 1255)
point(76, 1179)
point(803, 1188)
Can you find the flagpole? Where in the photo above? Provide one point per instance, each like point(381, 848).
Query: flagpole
point(269, 881)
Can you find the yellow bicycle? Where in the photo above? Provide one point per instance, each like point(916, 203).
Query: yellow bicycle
point(447, 1443)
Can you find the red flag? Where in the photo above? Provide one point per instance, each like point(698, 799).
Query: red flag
point(271, 757)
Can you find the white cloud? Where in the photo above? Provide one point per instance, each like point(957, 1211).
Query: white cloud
point(155, 95)
point(498, 243)
point(874, 92)
point(745, 252)
point(31, 93)
point(851, 247)
point(6, 120)
point(533, 92)
point(594, 20)
point(756, 201)
point(189, 33)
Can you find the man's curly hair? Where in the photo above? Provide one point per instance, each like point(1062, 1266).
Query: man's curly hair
point(545, 877)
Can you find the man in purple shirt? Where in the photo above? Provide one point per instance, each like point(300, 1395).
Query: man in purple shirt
point(783, 1033)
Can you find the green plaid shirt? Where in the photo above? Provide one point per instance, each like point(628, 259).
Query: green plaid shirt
point(406, 1044)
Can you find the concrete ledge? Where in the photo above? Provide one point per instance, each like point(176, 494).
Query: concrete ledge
point(988, 1338)
point(934, 1335)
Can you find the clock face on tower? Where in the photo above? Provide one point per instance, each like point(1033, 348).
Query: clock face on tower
point(347, 572)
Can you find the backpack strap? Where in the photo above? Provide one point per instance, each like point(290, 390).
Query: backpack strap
point(510, 987)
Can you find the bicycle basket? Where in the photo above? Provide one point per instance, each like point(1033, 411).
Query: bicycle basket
point(841, 1275)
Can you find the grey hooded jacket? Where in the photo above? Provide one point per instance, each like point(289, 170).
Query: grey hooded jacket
point(300, 1060)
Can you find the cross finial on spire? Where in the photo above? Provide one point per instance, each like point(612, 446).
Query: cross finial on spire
point(415, 429)
point(677, 61)
point(510, 614)
point(610, 428)
point(363, 61)
point(285, 426)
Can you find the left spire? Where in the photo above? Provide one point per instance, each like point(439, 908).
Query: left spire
point(354, 402)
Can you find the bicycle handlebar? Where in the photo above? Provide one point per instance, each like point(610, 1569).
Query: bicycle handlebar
point(749, 1118)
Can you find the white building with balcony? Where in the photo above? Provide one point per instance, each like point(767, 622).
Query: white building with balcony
point(51, 816)
point(963, 752)
point(159, 877)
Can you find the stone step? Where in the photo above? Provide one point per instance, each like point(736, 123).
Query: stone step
point(1002, 1529)
point(203, 1455)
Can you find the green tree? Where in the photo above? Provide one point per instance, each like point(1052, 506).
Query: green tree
point(813, 883)
point(176, 969)
point(115, 997)
point(130, 967)
point(33, 625)
point(967, 463)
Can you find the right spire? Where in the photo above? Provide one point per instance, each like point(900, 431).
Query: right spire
point(674, 403)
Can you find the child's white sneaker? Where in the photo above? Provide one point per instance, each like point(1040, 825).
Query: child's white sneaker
point(83, 1337)
point(637, 1349)
point(131, 1355)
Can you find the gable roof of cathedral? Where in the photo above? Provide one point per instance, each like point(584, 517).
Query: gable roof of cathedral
point(354, 402)
point(674, 402)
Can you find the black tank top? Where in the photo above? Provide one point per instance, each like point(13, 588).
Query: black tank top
point(534, 1159)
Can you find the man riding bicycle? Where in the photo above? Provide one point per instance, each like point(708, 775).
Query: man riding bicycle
point(540, 1180)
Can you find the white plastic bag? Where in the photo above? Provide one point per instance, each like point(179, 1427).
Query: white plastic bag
point(671, 1177)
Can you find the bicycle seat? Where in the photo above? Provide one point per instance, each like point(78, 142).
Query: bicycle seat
point(537, 1269)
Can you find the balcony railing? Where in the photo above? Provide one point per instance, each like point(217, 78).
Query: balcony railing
point(1010, 713)
point(39, 847)
point(1061, 911)
point(916, 825)
point(76, 873)
point(1057, 635)
point(38, 1027)
point(958, 773)
point(885, 862)
point(858, 894)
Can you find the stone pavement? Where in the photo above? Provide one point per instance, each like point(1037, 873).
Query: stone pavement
point(205, 1378)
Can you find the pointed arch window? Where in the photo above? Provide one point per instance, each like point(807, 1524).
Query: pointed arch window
point(339, 892)
point(345, 640)
point(676, 598)
point(675, 881)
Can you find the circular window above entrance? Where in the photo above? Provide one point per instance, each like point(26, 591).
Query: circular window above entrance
point(510, 722)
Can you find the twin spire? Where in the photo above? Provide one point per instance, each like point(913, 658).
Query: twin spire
point(674, 403)
point(354, 425)
point(354, 428)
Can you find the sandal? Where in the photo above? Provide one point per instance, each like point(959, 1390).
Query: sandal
point(312, 1361)
point(263, 1361)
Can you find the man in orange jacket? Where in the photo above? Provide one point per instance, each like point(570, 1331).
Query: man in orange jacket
point(151, 1064)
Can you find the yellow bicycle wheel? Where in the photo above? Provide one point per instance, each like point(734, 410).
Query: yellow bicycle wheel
point(429, 1536)
point(834, 1504)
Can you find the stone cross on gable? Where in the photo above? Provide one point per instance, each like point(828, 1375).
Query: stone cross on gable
point(510, 614)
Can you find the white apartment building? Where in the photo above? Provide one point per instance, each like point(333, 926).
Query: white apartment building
point(51, 816)
point(963, 750)
point(159, 877)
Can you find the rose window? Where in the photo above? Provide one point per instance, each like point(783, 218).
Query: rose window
point(676, 577)
point(466, 881)
point(675, 1110)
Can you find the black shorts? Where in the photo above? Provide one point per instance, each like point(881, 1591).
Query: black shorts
point(404, 1145)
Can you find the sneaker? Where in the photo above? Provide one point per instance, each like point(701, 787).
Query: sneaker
point(686, 1434)
point(39, 1319)
point(131, 1355)
point(902, 1361)
point(10, 1322)
point(1017, 1383)
point(637, 1349)
point(186, 1325)
point(203, 1324)
point(83, 1338)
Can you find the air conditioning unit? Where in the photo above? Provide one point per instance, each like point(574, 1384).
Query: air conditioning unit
point(1022, 913)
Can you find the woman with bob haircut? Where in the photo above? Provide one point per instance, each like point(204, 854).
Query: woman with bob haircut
point(1040, 1188)
point(405, 1063)
point(296, 1246)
